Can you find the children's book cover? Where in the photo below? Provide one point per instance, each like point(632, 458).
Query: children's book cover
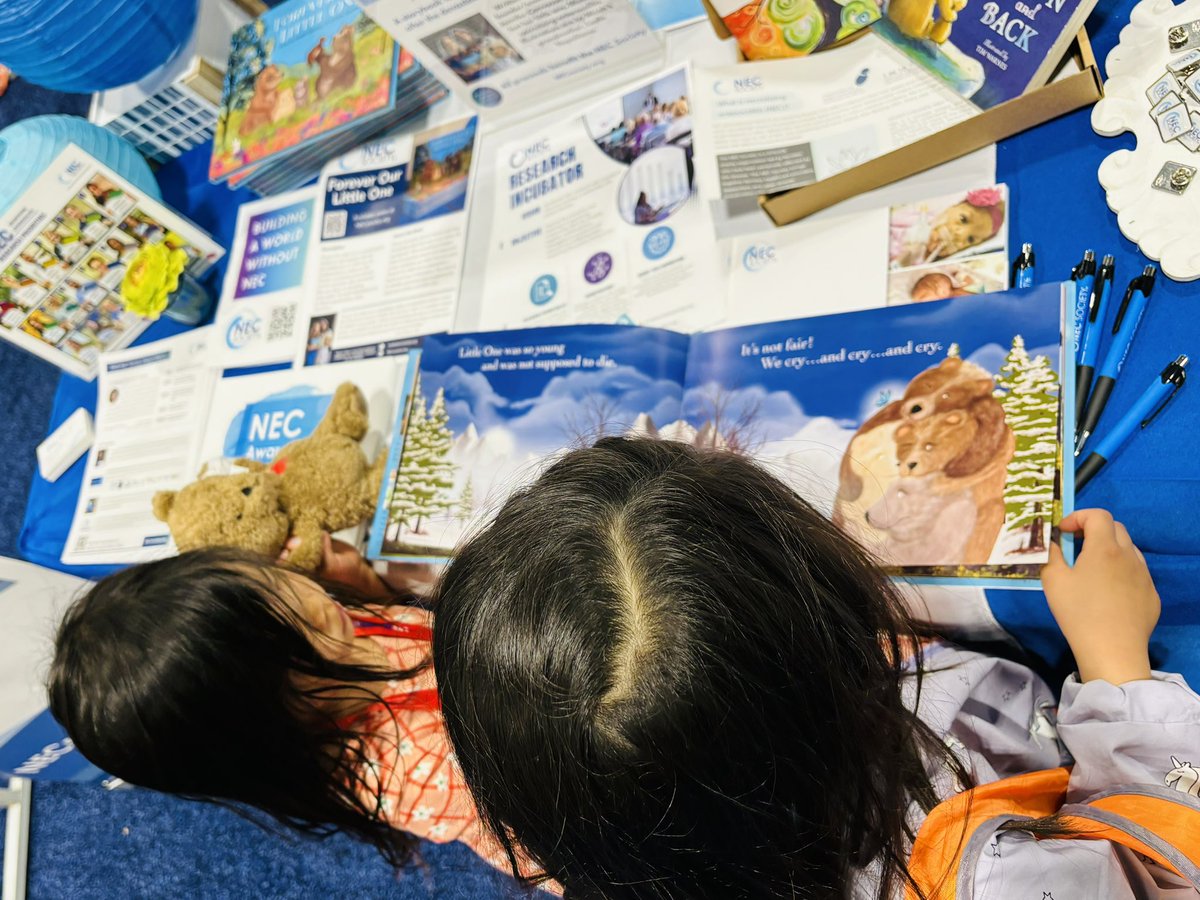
point(928, 432)
point(988, 51)
point(306, 68)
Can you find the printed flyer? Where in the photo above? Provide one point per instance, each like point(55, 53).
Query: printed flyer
point(388, 259)
point(929, 431)
point(257, 319)
point(80, 252)
point(595, 219)
point(765, 127)
point(516, 58)
point(200, 423)
point(149, 423)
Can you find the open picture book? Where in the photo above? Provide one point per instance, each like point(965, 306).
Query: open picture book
point(930, 432)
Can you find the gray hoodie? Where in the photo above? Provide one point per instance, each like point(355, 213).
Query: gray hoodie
point(999, 718)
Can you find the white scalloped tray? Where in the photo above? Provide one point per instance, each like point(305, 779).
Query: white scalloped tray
point(1165, 227)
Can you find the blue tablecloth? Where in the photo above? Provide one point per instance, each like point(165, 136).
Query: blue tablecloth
point(1154, 486)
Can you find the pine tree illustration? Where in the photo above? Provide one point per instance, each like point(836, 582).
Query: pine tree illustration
point(955, 351)
point(403, 505)
point(466, 502)
point(1028, 391)
point(426, 473)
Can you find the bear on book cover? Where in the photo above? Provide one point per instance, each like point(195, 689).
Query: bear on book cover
point(988, 51)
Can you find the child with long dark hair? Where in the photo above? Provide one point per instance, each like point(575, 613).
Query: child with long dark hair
point(665, 675)
point(218, 675)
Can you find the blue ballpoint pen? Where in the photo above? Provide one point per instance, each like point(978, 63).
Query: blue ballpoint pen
point(1141, 414)
point(1084, 276)
point(1133, 306)
point(1093, 328)
point(1022, 267)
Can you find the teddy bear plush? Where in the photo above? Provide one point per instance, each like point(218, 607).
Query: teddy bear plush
point(323, 482)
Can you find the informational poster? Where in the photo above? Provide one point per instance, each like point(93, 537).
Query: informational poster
point(515, 58)
point(257, 319)
point(387, 263)
point(595, 218)
point(149, 423)
point(79, 252)
point(771, 126)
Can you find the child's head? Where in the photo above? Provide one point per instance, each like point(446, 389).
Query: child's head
point(216, 676)
point(934, 286)
point(664, 674)
point(976, 219)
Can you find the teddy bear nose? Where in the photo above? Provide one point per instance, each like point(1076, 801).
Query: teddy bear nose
point(247, 491)
point(911, 466)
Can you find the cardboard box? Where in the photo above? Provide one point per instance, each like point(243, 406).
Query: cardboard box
point(1064, 93)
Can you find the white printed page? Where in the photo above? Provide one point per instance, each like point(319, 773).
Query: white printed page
point(595, 218)
point(257, 320)
point(149, 422)
point(78, 246)
point(809, 269)
point(514, 59)
point(387, 260)
point(765, 127)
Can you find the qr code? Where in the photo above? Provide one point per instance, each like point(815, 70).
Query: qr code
point(283, 320)
point(334, 225)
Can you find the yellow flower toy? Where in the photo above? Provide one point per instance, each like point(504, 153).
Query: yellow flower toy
point(152, 276)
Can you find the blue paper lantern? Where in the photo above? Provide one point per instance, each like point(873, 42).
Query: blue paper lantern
point(83, 46)
point(29, 146)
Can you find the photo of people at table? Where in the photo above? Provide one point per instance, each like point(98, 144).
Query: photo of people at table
point(656, 115)
point(473, 49)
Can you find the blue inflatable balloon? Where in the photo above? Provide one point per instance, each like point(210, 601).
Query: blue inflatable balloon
point(29, 146)
point(84, 46)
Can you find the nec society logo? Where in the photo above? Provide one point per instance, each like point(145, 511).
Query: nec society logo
point(758, 257)
point(245, 327)
point(523, 155)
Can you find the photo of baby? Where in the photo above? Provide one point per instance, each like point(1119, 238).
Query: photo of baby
point(947, 227)
point(973, 275)
point(473, 49)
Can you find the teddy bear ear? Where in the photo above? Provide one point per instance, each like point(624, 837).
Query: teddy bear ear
point(162, 503)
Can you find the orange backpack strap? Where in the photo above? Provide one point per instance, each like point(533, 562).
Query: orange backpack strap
point(957, 828)
point(1155, 821)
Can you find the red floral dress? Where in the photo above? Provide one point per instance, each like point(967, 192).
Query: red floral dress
point(409, 761)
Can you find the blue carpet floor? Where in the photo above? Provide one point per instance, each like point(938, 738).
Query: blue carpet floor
point(90, 843)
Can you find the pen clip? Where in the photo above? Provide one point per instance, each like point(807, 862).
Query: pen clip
point(1104, 274)
point(1176, 374)
point(1121, 310)
point(1154, 415)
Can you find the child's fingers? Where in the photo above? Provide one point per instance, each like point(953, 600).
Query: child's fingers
point(1055, 569)
point(1097, 525)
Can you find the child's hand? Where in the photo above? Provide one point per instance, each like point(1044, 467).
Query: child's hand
point(343, 564)
point(1106, 605)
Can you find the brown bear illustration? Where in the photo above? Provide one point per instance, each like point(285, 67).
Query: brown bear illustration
point(869, 464)
point(262, 107)
point(338, 70)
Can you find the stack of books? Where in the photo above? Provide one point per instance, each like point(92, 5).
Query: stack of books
point(305, 82)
